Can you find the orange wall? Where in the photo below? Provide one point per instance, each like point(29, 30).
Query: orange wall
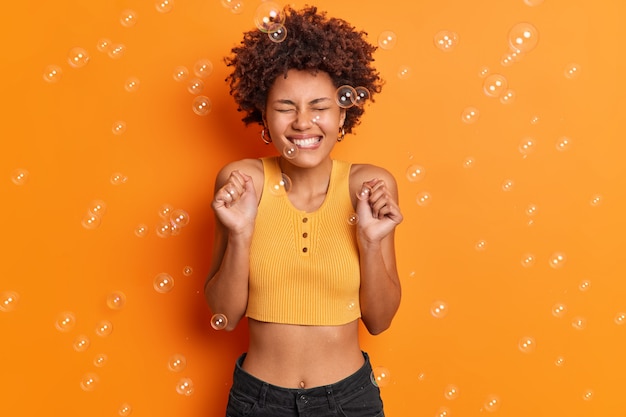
point(505, 193)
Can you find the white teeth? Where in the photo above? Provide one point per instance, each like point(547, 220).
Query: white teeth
point(305, 142)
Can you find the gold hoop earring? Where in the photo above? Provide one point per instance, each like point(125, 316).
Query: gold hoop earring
point(266, 138)
point(342, 134)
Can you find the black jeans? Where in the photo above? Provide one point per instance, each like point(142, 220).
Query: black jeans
point(354, 396)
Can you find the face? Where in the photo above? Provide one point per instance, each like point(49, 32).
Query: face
point(301, 112)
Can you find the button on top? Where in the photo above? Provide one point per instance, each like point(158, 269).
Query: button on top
point(305, 234)
point(305, 219)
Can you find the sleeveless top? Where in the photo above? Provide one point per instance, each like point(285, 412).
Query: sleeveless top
point(304, 267)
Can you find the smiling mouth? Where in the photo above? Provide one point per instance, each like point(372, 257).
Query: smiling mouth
point(307, 143)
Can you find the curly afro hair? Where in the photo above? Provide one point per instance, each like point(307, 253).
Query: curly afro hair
point(314, 42)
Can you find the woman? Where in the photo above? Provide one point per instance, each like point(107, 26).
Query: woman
point(289, 253)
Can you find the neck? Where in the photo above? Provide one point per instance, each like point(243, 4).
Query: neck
point(307, 180)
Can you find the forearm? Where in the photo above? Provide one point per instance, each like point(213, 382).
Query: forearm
point(226, 291)
point(380, 291)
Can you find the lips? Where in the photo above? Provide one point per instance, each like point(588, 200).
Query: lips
point(304, 143)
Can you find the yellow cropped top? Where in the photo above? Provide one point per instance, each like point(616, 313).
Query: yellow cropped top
point(304, 267)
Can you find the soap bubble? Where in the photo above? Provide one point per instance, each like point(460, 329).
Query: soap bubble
point(236, 6)
point(596, 200)
point(65, 321)
point(380, 376)
point(446, 40)
point(177, 363)
point(104, 328)
point(163, 283)
point(404, 72)
point(97, 208)
point(481, 245)
point(141, 230)
point(470, 115)
point(495, 85)
point(165, 211)
point(180, 73)
point(584, 285)
point(531, 210)
point(52, 73)
point(523, 37)
point(125, 409)
point(100, 360)
point(415, 172)
point(563, 144)
point(164, 229)
point(507, 185)
point(164, 6)
point(116, 300)
point(78, 57)
point(8, 300)
point(132, 84)
point(423, 198)
point(364, 193)
point(353, 219)
point(117, 51)
point(81, 343)
point(103, 45)
point(219, 321)
point(203, 68)
point(557, 260)
point(620, 318)
point(184, 386)
point(468, 162)
point(19, 176)
point(443, 412)
point(559, 361)
point(91, 221)
point(559, 310)
point(118, 127)
point(268, 16)
point(346, 96)
point(362, 95)
point(179, 217)
point(290, 151)
point(533, 2)
point(572, 71)
point(508, 97)
point(187, 271)
point(451, 392)
point(492, 403)
point(579, 323)
point(195, 86)
point(128, 18)
point(89, 381)
point(439, 309)
point(528, 260)
point(588, 395)
point(278, 35)
point(117, 178)
point(281, 185)
point(527, 146)
point(483, 72)
point(527, 345)
point(387, 39)
point(201, 105)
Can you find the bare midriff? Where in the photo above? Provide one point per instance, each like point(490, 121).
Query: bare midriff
point(294, 356)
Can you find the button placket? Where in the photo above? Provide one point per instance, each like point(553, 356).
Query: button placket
point(305, 240)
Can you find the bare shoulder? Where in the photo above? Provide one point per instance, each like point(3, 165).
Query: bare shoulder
point(251, 167)
point(366, 172)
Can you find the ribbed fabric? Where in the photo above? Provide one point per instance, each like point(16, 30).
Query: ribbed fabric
point(304, 267)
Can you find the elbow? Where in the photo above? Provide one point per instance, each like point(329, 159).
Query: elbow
point(376, 327)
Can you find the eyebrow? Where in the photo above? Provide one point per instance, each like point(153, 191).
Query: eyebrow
point(312, 102)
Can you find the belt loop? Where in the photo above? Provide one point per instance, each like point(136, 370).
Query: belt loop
point(332, 405)
point(262, 394)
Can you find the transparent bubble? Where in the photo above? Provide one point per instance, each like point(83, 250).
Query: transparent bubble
point(164, 229)
point(65, 321)
point(387, 40)
point(415, 172)
point(579, 323)
point(119, 127)
point(227, 3)
point(620, 318)
point(117, 51)
point(125, 409)
point(278, 35)
point(103, 45)
point(132, 85)
point(163, 283)
point(19, 176)
point(380, 376)
point(352, 305)
point(533, 2)
point(531, 210)
point(104, 328)
point(508, 97)
point(203, 68)
point(439, 309)
point(563, 144)
point(364, 193)
point(52, 73)
point(559, 361)
point(588, 395)
point(89, 381)
point(219, 321)
point(180, 73)
point(557, 260)
point(78, 57)
point(362, 95)
point(175, 229)
point(81, 343)
point(523, 37)
point(165, 211)
point(100, 360)
point(353, 219)
point(236, 6)
point(177, 363)
point(91, 221)
point(443, 412)
point(507, 185)
point(451, 392)
point(97, 208)
point(179, 217)
point(195, 86)
point(535, 120)
point(480, 245)
point(128, 18)
point(164, 6)
point(527, 344)
point(117, 178)
point(527, 146)
point(495, 85)
point(596, 200)
point(492, 403)
point(446, 40)
point(187, 271)
point(528, 260)
point(423, 199)
point(572, 71)
point(404, 72)
point(141, 230)
point(585, 285)
point(346, 96)
point(290, 151)
point(184, 386)
point(559, 310)
point(9, 300)
point(201, 105)
point(483, 72)
point(470, 115)
point(281, 185)
point(268, 16)
point(468, 162)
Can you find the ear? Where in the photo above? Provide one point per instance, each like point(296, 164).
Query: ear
point(342, 117)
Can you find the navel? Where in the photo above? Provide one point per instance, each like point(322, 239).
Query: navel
point(301, 384)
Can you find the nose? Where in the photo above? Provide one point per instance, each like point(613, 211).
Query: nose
point(303, 120)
